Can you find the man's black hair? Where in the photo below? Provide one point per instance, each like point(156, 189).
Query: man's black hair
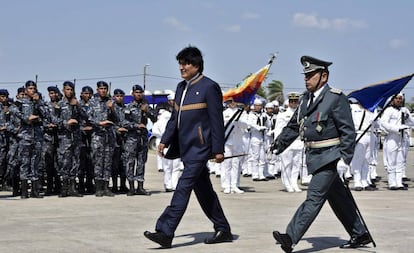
point(191, 55)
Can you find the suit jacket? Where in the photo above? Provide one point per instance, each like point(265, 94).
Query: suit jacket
point(200, 133)
point(328, 117)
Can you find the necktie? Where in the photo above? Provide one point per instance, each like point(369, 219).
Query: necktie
point(311, 100)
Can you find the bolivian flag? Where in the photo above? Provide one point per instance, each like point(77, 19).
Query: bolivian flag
point(245, 90)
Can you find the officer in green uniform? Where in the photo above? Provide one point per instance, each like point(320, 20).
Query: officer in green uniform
point(324, 122)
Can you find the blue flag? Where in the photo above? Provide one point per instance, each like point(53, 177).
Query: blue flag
point(376, 95)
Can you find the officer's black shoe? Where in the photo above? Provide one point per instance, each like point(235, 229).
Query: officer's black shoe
point(370, 188)
point(284, 241)
point(160, 238)
point(358, 188)
point(357, 241)
point(219, 237)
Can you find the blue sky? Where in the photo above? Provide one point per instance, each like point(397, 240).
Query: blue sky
point(367, 41)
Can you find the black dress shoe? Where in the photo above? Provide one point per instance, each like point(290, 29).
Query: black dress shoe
point(370, 188)
point(284, 240)
point(160, 238)
point(356, 242)
point(219, 237)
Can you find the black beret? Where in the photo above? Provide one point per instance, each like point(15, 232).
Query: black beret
point(311, 64)
point(102, 84)
point(119, 92)
point(20, 89)
point(53, 88)
point(69, 83)
point(137, 87)
point(30, 83)
point(4, 92)
point(87, 89)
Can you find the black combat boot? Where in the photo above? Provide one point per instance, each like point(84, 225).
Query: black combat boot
point(81, 185)
point(131, 191)
point(106, 191)
point(35, 193)
point(141, 190)
point(72, 189)
point(25, 193)
point(16, 186)
point(115, 185)
point(49, 186)
point(57, 188)
point(99, 188)
point(90, 188)
point(122, 187)
point(64, 190)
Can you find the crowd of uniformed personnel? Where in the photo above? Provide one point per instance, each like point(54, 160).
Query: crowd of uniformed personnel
point(255, 129)
point(73, 147)
point(70, 147)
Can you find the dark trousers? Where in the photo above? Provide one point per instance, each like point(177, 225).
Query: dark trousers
point(325, 185)
point(195, 177)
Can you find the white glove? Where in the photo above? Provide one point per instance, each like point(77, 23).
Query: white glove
point(403, 127)
point(342, 167)
point(262, 128)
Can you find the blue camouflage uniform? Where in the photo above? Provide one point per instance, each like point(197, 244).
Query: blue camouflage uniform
point(103, 141)
point(12, 154)
point(118, 168)
point(4, 142)
point(136, 142)
point(86, 170)
point(48, 162)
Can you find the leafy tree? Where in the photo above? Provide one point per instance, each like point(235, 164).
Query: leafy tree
point(261, 92)
point(275, 91)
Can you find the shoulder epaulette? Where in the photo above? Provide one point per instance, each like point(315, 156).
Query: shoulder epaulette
point(336, 91)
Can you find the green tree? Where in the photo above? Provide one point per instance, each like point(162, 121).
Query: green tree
point(261, 92)
point(275, 91)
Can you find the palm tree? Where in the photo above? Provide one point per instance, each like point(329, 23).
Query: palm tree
point(261, 92)
point(275, 91)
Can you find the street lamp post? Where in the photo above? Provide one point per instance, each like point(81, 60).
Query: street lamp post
point(145, 75)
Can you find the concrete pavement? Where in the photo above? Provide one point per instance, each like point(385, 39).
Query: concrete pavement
point(92, 224)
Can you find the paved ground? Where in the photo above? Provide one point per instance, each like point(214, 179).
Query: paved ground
point(117, 224)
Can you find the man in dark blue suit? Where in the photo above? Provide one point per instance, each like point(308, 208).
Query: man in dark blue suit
point(195, 132)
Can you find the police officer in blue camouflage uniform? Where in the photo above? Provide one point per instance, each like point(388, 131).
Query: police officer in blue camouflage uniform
point(13, 129)
point(136, 143)
point(32, 114)
point(68, 122)
point(117, 163)
point(50, 143)
point(102, 118)
point(86, 170)
point(4, 142)
point(324, 122)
